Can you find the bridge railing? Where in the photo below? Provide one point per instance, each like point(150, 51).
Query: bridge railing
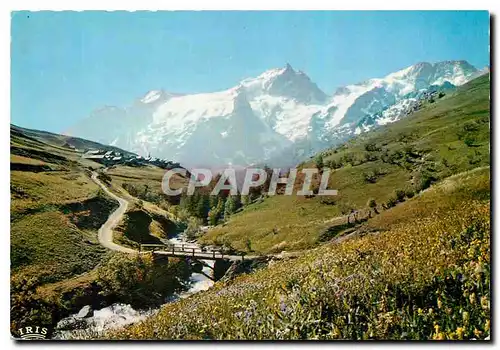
point(185, 249)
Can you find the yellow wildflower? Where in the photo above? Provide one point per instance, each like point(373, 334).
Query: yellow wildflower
point(485, 304)
point(336, 332)
point(465, 316)
point(441, 336)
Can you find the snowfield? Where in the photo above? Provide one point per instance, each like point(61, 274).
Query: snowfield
point(261, 118)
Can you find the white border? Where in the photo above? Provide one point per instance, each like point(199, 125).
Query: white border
point(80, 5)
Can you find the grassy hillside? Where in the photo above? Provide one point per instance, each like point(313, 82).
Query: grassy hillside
point(144, 183)
point(55, 211)
point(444, 138)
point(62, 141)
point(57, 263)
point(420, 270)
point(148, 218)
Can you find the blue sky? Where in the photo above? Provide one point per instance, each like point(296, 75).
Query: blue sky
point(66, 64)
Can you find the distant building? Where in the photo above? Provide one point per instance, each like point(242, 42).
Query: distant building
point(93, 156)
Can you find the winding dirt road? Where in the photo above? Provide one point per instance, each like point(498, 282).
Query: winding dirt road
point(105, 233)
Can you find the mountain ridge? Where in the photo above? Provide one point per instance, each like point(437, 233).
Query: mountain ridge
point(262, 117)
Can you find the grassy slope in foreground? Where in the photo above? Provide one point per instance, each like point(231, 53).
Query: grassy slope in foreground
point(420, 270)
point(442, 139)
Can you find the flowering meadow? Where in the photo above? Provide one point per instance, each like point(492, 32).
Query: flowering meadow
point(420, 270)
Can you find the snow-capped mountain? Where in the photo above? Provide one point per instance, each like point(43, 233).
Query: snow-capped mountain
point(281, 116)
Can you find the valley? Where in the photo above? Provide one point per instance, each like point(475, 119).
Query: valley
point(417, 271)
point(417, 268)
point(401, 253)
point(257, 175)
point(386, 166)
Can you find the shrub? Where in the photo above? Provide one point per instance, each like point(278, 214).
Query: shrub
point(193, 227)
point(400, 195)
point(422, 180)
point(104, 177)
point(470, 141)
point(370, 177)
point(333, 164)
point(347, 158)
point(380, 172)
point(371, 203)
point(318, 161)
point(474, 159)
point(139, 279)
point(391, 202)
point(227, 246)
point(410, 193)
point(346, 208)
point(395, 156)
point(470, 127)
point(370, 157)
point(245, 200)
point(20, 255)
point(371, 147)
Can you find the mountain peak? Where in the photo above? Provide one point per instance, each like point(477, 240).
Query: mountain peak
point(285, 82)
point(288, 68)
point(423, 74)
point(152, 96)
point(265, 77)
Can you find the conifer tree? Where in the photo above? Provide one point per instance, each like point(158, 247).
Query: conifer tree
point(229, 207)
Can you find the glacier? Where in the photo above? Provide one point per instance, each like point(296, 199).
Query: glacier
point(279, 117)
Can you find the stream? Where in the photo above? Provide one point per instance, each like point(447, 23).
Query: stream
point(90, 323)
